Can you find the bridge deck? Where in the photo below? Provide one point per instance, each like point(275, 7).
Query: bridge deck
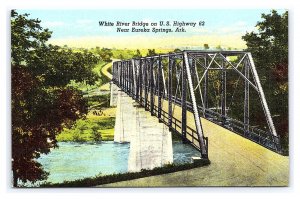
point(235, 161)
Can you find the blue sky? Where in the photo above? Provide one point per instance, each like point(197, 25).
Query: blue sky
point(78, 25)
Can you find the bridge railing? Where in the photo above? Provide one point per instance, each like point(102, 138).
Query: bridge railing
point(188, 79)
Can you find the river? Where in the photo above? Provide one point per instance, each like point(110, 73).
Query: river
point(72, 161)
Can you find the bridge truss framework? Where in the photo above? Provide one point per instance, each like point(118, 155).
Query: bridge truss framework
point(183, 79)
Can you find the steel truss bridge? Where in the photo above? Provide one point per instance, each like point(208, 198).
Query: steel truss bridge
point(219, 86)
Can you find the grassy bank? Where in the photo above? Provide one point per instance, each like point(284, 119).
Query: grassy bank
point(98, 102)
point(103, 73)
point(100, 180)
point(97, 126)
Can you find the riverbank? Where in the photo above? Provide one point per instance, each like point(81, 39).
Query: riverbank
point(100, 180)
point(97, 126)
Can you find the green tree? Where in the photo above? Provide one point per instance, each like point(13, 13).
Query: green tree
point(206, 47)
point(105, 54)
point(137, 54)
point(151, 52)
point(75, 66)
point(38, 115)
point(269, 47)
point(27, 36)
point(121, 57)
point(218, 47)
point(42, 104)
point(177, 50)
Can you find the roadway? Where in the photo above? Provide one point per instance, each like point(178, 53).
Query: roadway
point(235, 161)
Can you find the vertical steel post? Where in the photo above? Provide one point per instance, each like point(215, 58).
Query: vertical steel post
point(136, 76)
point(223, 96)
point(121, 75)
point(126, 76)
point(151, 87)
point(134, 79)
point(170, 91)
point(159, 88)
point(116, 73)
point(145, 83)
point(205, 86)
point(129, 78)
point(246, 100)
point(183, 102)
point(199, 129)
point(141, 80)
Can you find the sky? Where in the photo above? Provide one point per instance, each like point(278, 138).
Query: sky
point(80, 28)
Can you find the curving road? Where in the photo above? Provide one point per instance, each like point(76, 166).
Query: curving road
point(104, 71)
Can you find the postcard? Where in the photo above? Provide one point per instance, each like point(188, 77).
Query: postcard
point(149, 98)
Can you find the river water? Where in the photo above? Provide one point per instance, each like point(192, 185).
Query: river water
point(72, 161)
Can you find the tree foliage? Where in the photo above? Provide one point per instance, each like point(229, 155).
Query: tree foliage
point(205, 46)
point(177, 50)
point(138, 54)
point(218, 47)
point(105, 54)
point(70, 66)
point(269, 47)
point(42, 104)
point(27, 36)
point(151, 52)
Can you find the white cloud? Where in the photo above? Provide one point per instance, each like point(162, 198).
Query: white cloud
point(50, 24)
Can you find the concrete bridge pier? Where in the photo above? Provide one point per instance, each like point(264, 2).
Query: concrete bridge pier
point(150, 141)
point(125, 125)
point(151, 145)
